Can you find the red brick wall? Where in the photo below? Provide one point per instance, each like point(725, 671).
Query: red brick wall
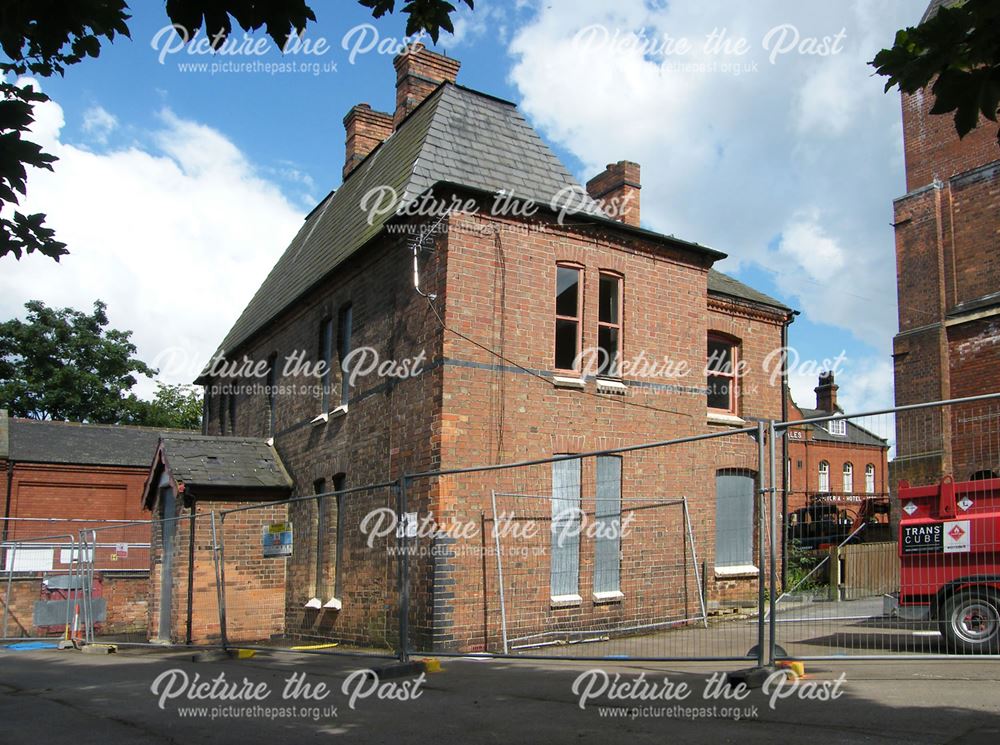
point(72, 491)
point(931, 147)
point(392, 427)
point(947, 247)
point(491, 417)
point(125, 596)
point(255, 585)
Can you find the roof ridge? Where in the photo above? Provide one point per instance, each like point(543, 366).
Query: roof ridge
point(95, 425)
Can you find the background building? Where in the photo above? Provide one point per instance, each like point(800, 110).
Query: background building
point(948, 277)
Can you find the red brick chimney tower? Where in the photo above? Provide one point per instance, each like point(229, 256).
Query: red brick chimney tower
point(617, 189)
point(366, 129)
point(418, 73)
point(826, 393)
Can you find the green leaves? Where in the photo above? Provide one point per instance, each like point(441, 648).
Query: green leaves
point(431, 16)
point(173, 406)
point(23, 233)
point(43, 37)
point(277, 17)
point(959, 49)
point(65, 364)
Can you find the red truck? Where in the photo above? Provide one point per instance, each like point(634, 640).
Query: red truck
point(949, 552)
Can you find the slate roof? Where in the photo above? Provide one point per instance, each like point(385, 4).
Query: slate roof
point(4, 433)
point(935, 6)
point(33, 441)
point(223, 462)
point(723, 284)
point(855, 435)
point(456, 136)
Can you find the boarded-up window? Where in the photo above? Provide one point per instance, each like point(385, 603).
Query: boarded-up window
point(565, 577)
point(734, 519)
point(607, 539)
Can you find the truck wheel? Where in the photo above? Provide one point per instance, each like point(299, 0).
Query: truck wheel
point(971, 621)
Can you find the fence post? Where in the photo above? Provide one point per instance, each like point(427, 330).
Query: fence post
point(219, 560)
point(84, 587)
point(404, 571)
point(503, 604)
point(93, 574)
point(761, 549)
point(772, 595)
point(11, 556)
point(835, 573)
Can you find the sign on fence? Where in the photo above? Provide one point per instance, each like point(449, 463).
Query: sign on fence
point(277, 539)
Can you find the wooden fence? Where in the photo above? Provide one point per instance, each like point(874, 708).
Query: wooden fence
point(868, 569)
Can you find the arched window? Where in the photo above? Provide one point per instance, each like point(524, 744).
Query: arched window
point(824, 476)
point(848, 478)
point(870, 478)
point(983, 475)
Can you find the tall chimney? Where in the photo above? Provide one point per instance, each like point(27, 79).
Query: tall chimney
point(617, 189)
point(418, 73)
point(365, 130)
point(826, 393)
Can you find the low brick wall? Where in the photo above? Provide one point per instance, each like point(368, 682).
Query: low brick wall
point(125, 595)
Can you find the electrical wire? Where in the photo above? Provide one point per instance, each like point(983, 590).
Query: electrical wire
point(545, 380)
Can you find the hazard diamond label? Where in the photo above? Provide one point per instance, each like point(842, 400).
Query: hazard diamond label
point(910, 508)
point(965, 504)
point(956, 537)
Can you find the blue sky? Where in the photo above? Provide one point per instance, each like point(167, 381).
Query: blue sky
point(178, 189)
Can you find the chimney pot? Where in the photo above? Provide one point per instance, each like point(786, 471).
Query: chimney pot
point(617, 189)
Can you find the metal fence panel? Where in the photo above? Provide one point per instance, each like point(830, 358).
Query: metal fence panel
point(896, 558)
point(597, 555)
point(315, 574)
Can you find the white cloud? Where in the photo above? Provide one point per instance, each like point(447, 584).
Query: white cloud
point(804, 242)
point(175, 235)
point(472, 25)
point(99, 123)
point(738, 152)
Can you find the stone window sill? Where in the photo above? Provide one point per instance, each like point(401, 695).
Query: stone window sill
point(615, 596)
point(740, 570)
point(729, 420)
point(607, 385)
point(565, 381)
point(565, 601)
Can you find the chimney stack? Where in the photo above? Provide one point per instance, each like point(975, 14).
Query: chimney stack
point(366, 129)
point(617, 189)
point(826, 393)
point(418, 73)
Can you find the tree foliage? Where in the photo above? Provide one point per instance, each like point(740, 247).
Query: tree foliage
point(173, 406)
point(44, 37)
point(959, 49)
point(66, 364)
point(423, 15)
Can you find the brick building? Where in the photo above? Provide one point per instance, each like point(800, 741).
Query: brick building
point(59, 478)
point(836, 462)
point(191, 477)
point(510, 316)
point(948, 275)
